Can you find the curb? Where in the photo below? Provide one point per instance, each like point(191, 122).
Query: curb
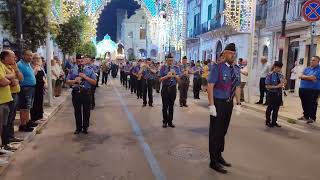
point(314, 126)
point(30, 136)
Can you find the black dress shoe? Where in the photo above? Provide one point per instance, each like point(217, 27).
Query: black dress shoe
point(270, 125)
point(259, 102)
point(77, 131)
point(85, 131)
point(181, 105)
point(32, 124)
point(224, 162)
point(15, 140)
point(144, 105)
point(150, 105)
point(164, 125)
point(276, 125)
point(171, 125)
point(267, 123)
point(25, 128)
point(217, 167)
point(185, 105)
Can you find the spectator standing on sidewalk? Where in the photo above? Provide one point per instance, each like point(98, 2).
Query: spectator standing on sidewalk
point(41, 81)
point(9, 60)
point(293, 77)
point(60, 78)
point(274, 84)
point(5, 99)
point(264, 70)
point(26, 95)
point(309, 90)
point(244, 76)
point(204, 76)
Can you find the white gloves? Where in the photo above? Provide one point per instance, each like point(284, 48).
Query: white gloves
point(238, 109)
point(213, 111)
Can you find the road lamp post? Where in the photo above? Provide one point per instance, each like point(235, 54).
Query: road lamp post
point(19, 27)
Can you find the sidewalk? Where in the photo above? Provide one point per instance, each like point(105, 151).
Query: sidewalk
point(49, 112)
point(290, 111)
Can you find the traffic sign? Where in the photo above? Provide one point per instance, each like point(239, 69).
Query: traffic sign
point(313, 29)
point(311, 10)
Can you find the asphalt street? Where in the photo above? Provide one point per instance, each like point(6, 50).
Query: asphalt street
point(127, 142)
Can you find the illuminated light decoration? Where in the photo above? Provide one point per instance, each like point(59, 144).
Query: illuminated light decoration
point(104, 46)
point(238, 14)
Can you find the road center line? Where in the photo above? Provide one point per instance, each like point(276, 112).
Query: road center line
point(152, 161)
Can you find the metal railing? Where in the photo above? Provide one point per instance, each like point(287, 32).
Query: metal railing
point(275, 12)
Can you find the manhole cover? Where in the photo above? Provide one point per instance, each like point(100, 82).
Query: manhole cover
point(188, 152)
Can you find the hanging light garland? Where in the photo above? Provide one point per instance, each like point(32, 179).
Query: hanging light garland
point(238, 14)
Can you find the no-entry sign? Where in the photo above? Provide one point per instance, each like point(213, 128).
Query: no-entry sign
point(311, 10)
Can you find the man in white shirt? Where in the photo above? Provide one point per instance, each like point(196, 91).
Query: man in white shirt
point(264, 70)
point(244, 76)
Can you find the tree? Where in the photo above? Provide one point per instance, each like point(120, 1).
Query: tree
point(69, 37)
point(34, 20)
point(88, 49)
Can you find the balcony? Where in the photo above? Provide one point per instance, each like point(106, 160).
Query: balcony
point(261, 13)
point(210, 25)
point(294, 18)
point(193, 33)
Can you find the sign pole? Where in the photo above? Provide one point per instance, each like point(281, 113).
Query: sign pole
point(313, 32)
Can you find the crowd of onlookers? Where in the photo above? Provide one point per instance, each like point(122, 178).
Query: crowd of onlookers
point(23, 84)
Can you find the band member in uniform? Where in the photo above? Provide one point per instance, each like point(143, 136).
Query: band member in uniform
point(121, 67)
point(105, 68)
point(138, 81)
point(91, 63)
point(274, 83)
point(169, 76)
point(148, 75)
point(157, 82)
point(81, 78)
point(224, 85)
point(126, 70)
point(133, 79)
point(184, 82)
point(196, 71)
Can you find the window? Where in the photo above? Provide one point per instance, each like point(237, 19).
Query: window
point(142, 34)
point(209, 11)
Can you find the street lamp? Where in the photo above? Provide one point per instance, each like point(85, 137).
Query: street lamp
point(19, 27)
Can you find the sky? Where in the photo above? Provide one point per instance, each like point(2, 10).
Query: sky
point(108, 21)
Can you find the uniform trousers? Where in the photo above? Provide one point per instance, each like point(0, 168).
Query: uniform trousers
point(98, 78)
point(157, 85)
point(133, 81)
point(122, 77)
point(81, 103)
point(263, 89)
point(274, 102)
point(147, 88)
point(105, 77)
point(125, 80)
point(183, 88)
point(309, 101)
point(219, 127)
point(168, 94)
point(196, 87)
point(139, 88)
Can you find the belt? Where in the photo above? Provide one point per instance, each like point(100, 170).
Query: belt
point(228, 100)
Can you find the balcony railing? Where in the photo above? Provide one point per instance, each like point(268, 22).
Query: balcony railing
point(262, 10)
point(193, 33)
point(210, 25)
point(275, 13)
